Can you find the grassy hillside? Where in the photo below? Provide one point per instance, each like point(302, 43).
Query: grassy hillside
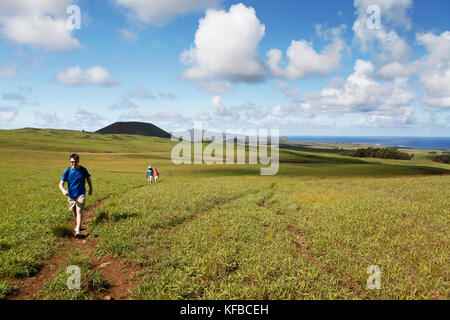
point(116, 148)
point(224, 231)
point(67, 140)
point(282, 238)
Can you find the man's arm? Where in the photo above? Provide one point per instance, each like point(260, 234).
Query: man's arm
point(90, 185)
point(61, 187)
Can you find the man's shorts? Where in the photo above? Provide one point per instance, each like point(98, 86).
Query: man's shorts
point(80, 202)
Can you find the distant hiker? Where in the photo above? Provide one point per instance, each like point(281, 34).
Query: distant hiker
point(156, 174)
point(75, 175)
point(149, 174)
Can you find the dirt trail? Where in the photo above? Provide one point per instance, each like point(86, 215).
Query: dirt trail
point(301, 242)
point(302, 245)
point(113, 269)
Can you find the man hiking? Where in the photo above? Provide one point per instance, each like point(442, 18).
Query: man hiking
point(75, 175)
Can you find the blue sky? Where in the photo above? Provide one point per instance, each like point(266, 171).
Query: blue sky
point(304, 67)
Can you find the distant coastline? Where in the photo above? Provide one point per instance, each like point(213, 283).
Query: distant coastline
point(441, 143)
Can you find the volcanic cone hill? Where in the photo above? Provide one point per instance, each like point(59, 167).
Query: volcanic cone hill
point(137, 128)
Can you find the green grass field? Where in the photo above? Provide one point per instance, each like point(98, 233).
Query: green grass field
point(224, 231)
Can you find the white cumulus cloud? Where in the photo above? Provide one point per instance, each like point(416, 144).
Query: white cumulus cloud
point(433, 68)
point(75, 77)
point(305, 61)
point(37, 23)
point(361, 92)
point(393, 14)
point(225, 47)
point(403, 117)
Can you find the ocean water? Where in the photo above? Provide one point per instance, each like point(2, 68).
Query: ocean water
point(402, 142)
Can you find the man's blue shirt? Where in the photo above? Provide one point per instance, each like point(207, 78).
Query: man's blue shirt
point(76, 181)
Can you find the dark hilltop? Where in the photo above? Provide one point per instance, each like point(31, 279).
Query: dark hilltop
point(137, 128)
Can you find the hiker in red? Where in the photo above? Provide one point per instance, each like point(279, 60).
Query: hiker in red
point(76, 175)
point(156, 174)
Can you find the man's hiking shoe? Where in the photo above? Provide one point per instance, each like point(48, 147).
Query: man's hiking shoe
point(77, 234)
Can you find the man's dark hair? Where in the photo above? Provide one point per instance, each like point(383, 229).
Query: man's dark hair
point(75, 157)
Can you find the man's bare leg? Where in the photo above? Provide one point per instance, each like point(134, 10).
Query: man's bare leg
point(79, 219)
